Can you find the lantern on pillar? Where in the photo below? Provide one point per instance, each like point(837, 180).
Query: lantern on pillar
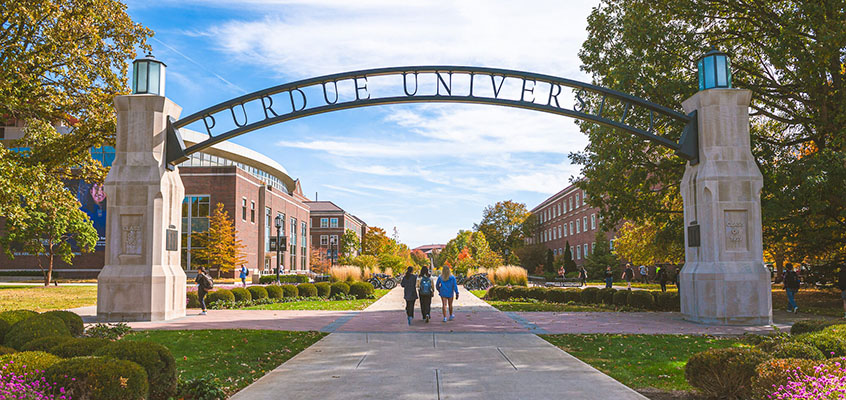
point(714, 70)
point(148, 76)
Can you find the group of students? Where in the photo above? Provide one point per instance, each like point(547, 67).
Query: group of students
point(421, 287)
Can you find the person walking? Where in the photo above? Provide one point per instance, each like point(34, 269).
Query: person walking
point(791, 286)
point(243, 275)
point(662, 278)
point(409, 284)
point(582, 276)
point(426, 289)
point(644, 274)
point(448, 290)
point(609, 277)
point(841, 283)
point(204, 284)
point(628, 275)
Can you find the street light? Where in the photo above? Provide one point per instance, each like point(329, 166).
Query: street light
point(332, 246)
point(148, 76)
point(278, 221)
point(714, 70)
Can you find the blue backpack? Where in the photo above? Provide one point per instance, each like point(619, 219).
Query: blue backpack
point(426, 286)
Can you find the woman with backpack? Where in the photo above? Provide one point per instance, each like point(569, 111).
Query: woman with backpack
point(426, 290)
point(204, 284)
point(447, 287)
point(409, 284)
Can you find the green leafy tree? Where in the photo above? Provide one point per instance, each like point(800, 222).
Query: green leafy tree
point(375, 241)
point(350, 245)
point(549, 265)
point(477, 247)
point(365, 261)
point(420, 258)
point(220, 247)
point(601, 256)
point(502, 224)
point(531, 256)
point(569, 263)
point(640, 244)
point(388, 260)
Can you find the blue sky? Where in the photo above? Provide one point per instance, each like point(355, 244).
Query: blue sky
point(428, 170)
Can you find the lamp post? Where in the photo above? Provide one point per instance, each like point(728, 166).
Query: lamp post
point(714, 70)
point(278, 222)
point(332, 246)
point(148, 76)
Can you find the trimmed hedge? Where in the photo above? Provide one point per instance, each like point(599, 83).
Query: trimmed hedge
point(28, 361)
point(4, 327)
point(574, 295)
point(498, 293)
point(156, 360)
point(220, 295)
point(588, 295)
point(241, 294)
point(606, 296)
point(267, 279)
point(257, 292)
point(339, 288)
point(830, 344)
point(621, 298)
point(519, 292)
point(37, 327)
point(78, 347)
point(799, 350)
point(15, 316)
point(45, 344)
point(537, 293)
point(724, 373)
point(647, 300)
point(72, 321)
point(556, 295)
point(668, 301)
point(641, 299)
point(289, 290)
point(812, 325)
point(274, 291)
point(193, 300)
point(324, 289)
point(99, 378)
point(361, 290)
point(308, 290)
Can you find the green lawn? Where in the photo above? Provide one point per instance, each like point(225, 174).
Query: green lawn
point(333, 305)
point(40, 298)
point(640, 361)
point(234, 358)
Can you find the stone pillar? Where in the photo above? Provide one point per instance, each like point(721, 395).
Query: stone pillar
point(142, 279)
point(724, 280)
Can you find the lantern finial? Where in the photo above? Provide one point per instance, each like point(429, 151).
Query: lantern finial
point(714, 70)
point(148, 75)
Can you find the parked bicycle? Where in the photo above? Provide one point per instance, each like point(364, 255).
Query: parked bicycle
point(383, 281)
point(477, 282)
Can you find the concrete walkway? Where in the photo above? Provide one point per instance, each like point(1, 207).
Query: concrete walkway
point(483, 354)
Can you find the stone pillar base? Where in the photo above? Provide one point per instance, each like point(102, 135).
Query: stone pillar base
point(727, 293)
point(131, 293)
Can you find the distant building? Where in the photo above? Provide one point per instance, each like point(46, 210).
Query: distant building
point(328, 224)
point(564, 218)
point(430, 249)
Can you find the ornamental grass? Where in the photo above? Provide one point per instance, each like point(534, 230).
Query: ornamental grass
point(827, 381)
point(345, 273)
point(509, 275)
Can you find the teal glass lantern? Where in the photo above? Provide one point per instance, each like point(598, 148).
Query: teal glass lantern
point(148, 76)
point(714, 70)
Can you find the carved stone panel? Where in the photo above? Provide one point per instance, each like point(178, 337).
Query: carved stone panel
point(736, 229)
point(131, 235)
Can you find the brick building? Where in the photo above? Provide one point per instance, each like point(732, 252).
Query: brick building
point(566, 218)
point(328, 224)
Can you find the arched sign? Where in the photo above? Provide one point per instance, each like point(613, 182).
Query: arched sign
point(442, 84)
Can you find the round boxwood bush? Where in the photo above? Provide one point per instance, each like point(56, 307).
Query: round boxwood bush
point(775, 373)
point(289, 290)
point(28, 361)
point(555, 295)
point(724, 373)
point(4, 327)
point(72, 321)
point(193, 300)
point(307, 290)
point(45, 344)
point(339, 288)
point(241, 294)
point(257, 292)
point(795, 349)
point(641, 299)
point(588, 295)
point(274, 291)
point(15, 316)
point(324, 289)
point(519, 292)
point(361, 290)
point(7, 350)
point(606, 295)
point(156, 360)
point(621, 298)
point(537, 293)
point(33, 328)
point(99, 378)
point(220, 295)
point(830, 344)
point(77, 347)
point(811, 325)
point(572, 295)
point(668, 301)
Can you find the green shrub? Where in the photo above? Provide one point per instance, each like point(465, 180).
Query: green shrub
point(45, 344)
point(537, 293)
point(339, 288)
point(519, 292)
point(839, 329)
point(220, 295)
point(4, 327)
point(15, 316)
point(257, 292)
point(156, 360)
point(28, 361)
point(324, 289)
point(621, 298)
point(606, 295)
point(274, 291)
point(572, 295)
point(641, 299)
point(308, 290)
point(668, 301)
point(812, 325)
point(78, 347)
point(193, 300)
point(268, 279)
point(588, 295)
point(108, 331)
point(361, 290)
point(72, 321)
point(795, 349)
point(830, 344)
point(241, 294)
point(204, 388)
point(556, 295)
point(499, 293)
point(775, 373)
point(290, 290)
point(35, 328)
point(7, 350)
point(724, 373)
point(99, 378)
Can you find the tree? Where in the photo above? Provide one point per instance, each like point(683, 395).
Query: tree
point(375, 241)
point(476, 247)
point(394, 262)
point(789, 54)
point(219, 246)
point(52, 226)
point(365, 261)
point(601, 257)
point(569, 263)
point(641, 244)
point(317, 262)
point(502, 224)
point(549, 265)
point(350, 245)
point(531, 256)
point(420, 258)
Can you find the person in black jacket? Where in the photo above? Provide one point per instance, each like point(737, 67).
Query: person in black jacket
point(409, 284)
point(426, 290)
point(203, 286)
point(662, 277)
point(791, 286)
point(841, 283)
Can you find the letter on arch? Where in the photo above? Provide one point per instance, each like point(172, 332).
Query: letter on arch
point(293, 103)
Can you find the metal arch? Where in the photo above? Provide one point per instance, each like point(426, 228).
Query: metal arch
point(687, 147)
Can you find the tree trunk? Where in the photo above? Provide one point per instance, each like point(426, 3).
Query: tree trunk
point(779, 262)
point(49, 270)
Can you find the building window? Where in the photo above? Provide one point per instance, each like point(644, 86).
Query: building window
point(324, 222)
point(571, 228)
point(572, 254)
point(195, 219)
point(584, 222)
point(559, 231)
point(577, 227)
point(268, 225)
point(303, 242)
point(593, 221)
point(253, 212)
point(577, 200)
point(584, 197)
point(578, 252)
point(324, 240)
point(244, 209)
point(293, 237)
point(282, 218)
point(570, 200)
point(333, 223)
point(560, 253)
point(565, 229)
point(559, 208)
point(585, 249)
point(611, 244)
